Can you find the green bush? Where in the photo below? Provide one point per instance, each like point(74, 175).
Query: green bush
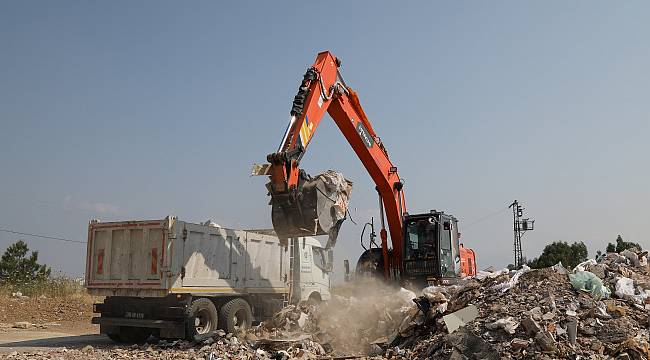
point(621, 245)
point(569, 255)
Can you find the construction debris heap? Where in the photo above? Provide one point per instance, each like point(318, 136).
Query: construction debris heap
point(596, 311)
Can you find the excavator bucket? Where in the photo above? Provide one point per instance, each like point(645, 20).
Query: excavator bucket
point(317, 208)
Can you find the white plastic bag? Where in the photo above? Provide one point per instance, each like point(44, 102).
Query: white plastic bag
point(624, 287)
point(507, 285)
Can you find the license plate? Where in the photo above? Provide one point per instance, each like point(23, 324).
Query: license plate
point(134, 315)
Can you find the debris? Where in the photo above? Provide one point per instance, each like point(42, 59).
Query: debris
point(624, 287)
point(548, 316)
point(546, 342)
point(587, 281)
point(375, 350)
point(632, 257)
point(22, 325)
point(536, 313)
point(338, 188)
point(519, 344)
point(471, 346)
point(598, 270)
point(508, 324)
point(531, 326)
point(559, 268)
point(211, 223)
point(461, 317)
point(583, 265)
point(503, 287)
point(541, 314)
point(614, 309)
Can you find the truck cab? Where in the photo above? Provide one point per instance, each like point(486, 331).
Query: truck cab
point(315, 268)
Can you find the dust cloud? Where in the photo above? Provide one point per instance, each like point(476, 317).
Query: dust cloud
point(363, 312)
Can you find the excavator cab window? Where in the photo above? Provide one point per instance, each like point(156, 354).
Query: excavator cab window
point(421, 256)
point(421, 241)
point(446, 253)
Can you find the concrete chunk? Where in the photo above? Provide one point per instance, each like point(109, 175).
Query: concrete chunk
point(460, 318)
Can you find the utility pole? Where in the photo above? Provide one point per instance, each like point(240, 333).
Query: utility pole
point(520, 226)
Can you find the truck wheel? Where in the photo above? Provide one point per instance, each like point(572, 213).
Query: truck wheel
point(134, 335)
point(314, 299)
point(202, 319)
point(115, 337)
point(236, 315)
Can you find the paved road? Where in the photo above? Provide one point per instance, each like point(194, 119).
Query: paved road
point(37, 340)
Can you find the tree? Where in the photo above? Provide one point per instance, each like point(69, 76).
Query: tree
point(17, 268)
point(561, 251)
point(621, 245)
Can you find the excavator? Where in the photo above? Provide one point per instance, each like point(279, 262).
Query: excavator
point(426, 247)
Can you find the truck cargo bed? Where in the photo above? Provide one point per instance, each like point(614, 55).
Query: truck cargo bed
point(154, 258)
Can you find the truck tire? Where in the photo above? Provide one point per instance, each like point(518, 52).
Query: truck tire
point(115, 337)
point(236, 315)
point(202, 319)
point(132, 335)
point(314, 299)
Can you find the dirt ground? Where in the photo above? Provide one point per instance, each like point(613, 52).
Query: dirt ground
point(32, 324)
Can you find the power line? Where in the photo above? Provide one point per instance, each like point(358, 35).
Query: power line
point(485, 217)
point(41, 236)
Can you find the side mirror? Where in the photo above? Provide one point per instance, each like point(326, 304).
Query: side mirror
point(346, 264)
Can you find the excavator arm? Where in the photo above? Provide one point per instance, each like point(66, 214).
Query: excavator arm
point(324, 90)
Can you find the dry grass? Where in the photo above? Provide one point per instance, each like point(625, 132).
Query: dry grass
point(52, 287)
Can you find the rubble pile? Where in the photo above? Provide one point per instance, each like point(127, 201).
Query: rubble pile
point(597, 310)
point(343, 326)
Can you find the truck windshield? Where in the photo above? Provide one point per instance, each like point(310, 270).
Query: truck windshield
point(421, 240)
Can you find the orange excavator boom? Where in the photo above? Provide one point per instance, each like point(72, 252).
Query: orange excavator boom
point(324, 90)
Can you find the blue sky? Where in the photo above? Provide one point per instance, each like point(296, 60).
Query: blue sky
point(136, 110)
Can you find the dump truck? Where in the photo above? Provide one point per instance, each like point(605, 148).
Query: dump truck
point(175, 279)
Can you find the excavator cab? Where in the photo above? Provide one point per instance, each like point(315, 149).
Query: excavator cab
point(431, 249)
